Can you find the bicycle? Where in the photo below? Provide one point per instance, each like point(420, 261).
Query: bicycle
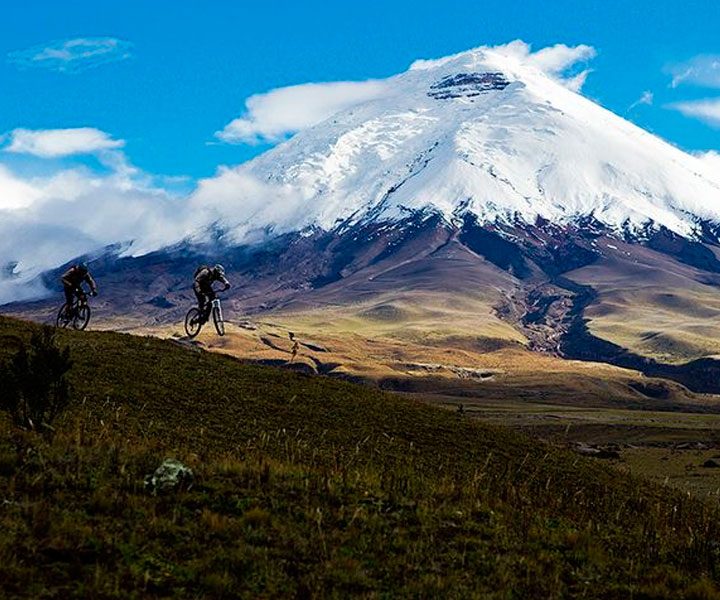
point(76, 315)
point(194, 320)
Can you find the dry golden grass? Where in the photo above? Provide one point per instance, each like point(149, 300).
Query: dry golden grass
point(424, 343)
point(668, 332)
point(668, 316)
point(412, 316)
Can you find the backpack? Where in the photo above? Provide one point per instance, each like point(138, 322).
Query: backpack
point(197, 271)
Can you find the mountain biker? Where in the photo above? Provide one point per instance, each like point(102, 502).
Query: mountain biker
point(202, 285)
point(72, 281)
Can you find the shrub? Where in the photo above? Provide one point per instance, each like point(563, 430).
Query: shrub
point(35, 388)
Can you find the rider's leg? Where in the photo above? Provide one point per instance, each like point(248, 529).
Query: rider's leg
point(200, 296)
point(210, 295)
point(69, 297)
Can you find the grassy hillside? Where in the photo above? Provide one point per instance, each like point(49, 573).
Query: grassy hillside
point(663, 311)
point(312, 487)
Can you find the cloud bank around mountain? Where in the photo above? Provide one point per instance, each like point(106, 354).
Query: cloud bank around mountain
point(68, 210)
point(274, 115)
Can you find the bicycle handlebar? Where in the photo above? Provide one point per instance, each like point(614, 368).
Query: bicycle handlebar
point(225, 289)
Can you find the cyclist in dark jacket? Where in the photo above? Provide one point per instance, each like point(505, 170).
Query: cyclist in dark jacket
point(73, 279)
point(202, 285)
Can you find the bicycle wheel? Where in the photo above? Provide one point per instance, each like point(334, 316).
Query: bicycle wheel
point(218, 320)
point(82, 317)
point(62, 317)
point(193, 322)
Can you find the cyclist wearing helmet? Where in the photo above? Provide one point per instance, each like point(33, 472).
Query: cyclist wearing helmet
point(202, 286)
point(73, 279)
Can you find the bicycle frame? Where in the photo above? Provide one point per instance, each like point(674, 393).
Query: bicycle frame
point(71, 312)
point(80, 299)
point(196, 318)
point(207, 311)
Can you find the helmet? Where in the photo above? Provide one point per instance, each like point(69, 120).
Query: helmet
point(83, 266)
point(219, 269)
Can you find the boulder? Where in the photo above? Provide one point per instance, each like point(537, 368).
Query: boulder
point(608, 452)
point(170, 476)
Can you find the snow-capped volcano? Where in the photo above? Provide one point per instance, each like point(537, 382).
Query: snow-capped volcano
point(492, 136)
point(488, 133)
point(483, 176)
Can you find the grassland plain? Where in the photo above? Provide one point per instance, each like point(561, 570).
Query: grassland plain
point(313, 487)
point(447, 358)
point(454, 351)
point(417, 338)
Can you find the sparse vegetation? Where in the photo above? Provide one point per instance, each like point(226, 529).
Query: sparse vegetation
point(673, 321)
point(308, 486)
point(34, 380)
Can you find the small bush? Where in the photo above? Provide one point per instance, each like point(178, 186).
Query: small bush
point(34, 381)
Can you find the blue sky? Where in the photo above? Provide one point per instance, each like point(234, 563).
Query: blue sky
point(182, 70)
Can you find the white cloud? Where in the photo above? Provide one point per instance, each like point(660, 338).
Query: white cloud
point(707, 110)
point(15, 193)
point(55, 143)
point(72, 56)
point(557, 59)
point(702, 70)
point(646, 98)
point(577, 82)
point(241, 204)
point(46, 221)
point(272, 116)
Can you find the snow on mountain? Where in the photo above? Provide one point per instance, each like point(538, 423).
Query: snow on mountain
point(486, 132)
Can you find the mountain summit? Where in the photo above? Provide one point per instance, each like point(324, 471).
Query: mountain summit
point(486, 133)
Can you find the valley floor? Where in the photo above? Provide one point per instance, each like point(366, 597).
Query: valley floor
point(651, 427)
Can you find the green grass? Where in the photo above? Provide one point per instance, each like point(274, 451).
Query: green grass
point(311, 487)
